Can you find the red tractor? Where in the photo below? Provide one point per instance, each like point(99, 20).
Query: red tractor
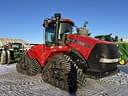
point(67, 58)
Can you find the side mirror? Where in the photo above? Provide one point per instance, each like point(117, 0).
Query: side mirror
point(45, 24)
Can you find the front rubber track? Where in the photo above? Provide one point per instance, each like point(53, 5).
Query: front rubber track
point(28, 66)
point(62, 72)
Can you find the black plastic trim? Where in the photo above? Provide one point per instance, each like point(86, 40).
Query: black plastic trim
point(108, 51)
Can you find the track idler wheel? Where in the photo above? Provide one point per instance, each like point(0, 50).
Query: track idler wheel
point(62, 72)
point(28, 66)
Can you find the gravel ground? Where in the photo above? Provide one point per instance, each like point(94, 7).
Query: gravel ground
point(16, 84)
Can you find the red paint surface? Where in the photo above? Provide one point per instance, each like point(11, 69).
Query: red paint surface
point(83, 45)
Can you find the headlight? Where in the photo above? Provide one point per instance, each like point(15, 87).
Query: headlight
point(105, 60)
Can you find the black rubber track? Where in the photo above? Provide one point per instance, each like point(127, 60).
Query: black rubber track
point(62, 72)
point(28, 66)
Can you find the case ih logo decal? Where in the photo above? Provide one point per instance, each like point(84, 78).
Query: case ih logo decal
point(84, 44)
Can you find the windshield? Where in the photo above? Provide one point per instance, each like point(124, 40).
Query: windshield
point(16, 45)
point(49, 35)
point(64, 28)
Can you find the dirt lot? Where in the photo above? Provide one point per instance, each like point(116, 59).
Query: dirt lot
point(16, 84)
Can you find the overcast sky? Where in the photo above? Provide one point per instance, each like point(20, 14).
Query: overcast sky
point(23, 18)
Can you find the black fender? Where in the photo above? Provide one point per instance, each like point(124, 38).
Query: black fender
point(75, 54)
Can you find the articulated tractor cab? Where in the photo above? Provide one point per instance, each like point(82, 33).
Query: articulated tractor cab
point(67, 58)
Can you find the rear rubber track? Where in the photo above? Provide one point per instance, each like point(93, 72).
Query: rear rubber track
point(28, 66)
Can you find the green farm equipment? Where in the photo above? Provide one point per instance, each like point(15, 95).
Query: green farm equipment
point(123, 50)
point(11, 52)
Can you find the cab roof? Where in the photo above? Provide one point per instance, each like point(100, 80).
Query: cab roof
point(63, 20)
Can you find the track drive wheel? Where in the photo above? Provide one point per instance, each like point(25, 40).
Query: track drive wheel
point(28, 66)
point(62, 72)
